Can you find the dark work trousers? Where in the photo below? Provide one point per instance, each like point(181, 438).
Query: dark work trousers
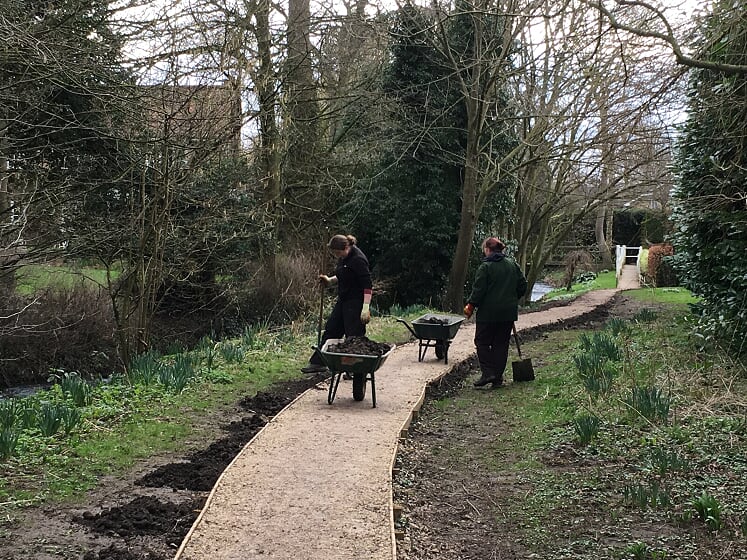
point(492, 341)
point(344, 321)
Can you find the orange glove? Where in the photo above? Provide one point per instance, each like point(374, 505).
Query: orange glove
point(468, 310)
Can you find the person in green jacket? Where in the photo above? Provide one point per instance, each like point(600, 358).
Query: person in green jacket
point(498, 286)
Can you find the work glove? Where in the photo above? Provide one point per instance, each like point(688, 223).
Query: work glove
point(365, 314)
point(469, 309)
point(327, 280)
point(366, 309)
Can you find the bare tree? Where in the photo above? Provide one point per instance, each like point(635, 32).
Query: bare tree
point(651, 20)
point(590, 101)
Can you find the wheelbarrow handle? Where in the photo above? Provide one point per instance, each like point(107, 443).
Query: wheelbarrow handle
point(409, 328)
point(516, 339)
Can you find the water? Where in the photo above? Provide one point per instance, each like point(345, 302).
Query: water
point(539, 290)
point(21, 391)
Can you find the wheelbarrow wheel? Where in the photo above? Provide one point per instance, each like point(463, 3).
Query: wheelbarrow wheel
point(440, 349)
point(359, 386)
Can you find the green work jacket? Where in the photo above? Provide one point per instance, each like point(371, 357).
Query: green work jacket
point(499, 283)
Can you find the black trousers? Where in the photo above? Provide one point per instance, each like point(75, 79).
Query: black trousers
point(492, 341)
point(344, 321)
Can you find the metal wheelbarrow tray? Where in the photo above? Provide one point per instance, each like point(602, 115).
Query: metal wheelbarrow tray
point(434, 331)
point(361, 366)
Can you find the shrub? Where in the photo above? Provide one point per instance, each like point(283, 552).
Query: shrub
point(574, 262)
point(708, 209)
point(292, 290)
point(659, 269)
point(65, 328)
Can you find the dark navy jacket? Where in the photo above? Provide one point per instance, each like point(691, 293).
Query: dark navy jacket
point(353, 275)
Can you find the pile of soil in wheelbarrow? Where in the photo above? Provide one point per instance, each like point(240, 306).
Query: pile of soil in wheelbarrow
point(361, 346)
point(435, 320)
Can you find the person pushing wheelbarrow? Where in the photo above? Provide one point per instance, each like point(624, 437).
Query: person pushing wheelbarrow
point(351, 312)
point(498, 286)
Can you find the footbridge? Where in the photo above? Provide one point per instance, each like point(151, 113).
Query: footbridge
point(628, 267)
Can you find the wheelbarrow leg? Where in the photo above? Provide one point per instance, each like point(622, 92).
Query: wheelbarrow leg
point(333, 383)
point(422, 349)
point(373, 389)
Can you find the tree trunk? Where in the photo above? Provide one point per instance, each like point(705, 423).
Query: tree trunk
point(604, 249)
point(269, 135)
point(301, 111)
point(7, 255)
point(458, 274)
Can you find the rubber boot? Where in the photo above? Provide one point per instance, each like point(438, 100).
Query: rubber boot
point(484, 380)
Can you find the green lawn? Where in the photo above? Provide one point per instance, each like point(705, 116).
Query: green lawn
point(34, 277)
point(604, 280)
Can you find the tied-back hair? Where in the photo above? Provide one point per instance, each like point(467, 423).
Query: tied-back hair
point(341, 242)
point(494, 244)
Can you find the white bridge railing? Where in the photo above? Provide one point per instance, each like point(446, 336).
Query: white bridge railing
point(623, 254)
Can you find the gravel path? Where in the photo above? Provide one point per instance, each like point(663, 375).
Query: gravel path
point(315, 483)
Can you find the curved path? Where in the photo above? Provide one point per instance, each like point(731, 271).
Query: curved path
point(315, 483)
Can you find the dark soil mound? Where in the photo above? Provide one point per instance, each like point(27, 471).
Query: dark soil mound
point(145, 515)
point(361, 346)
point(435, 320)
point(203, 468)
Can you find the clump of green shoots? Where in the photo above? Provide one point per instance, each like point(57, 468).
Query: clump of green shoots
point(650, 402)
point(709, 510)
point(644, 496)
point(645, 315)
point(75, 388)
point(662, 461)
point(586, 427)
point(596, 365)
point(144, 369)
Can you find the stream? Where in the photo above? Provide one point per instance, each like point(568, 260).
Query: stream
point(539, 290)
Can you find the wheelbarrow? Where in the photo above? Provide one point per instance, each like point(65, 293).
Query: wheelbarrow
point(434, 331)
point(361, 367)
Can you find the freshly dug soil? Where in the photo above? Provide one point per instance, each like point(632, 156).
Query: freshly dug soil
point(361, 346)
point(435, 320)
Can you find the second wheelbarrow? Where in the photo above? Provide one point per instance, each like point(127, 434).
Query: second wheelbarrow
point(361, 367)
point(434, 331)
